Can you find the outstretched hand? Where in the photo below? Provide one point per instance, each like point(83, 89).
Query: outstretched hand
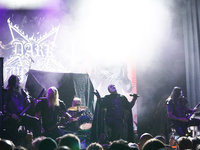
point(97, 94)
point(135, 96)
point(35, 101)
point(195, 109)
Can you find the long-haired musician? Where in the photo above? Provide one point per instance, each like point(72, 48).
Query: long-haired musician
point(179, 112)
point(49, 109)
point(16, 100)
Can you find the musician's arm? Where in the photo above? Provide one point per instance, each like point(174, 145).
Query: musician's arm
point(64, 116)
point(170, 112)
point(194, 109)
point(63, 108)
point(172, 117)
point(14, 116)
point(188, 109)
point(38, 109)
point(38, 115)
point(9, 114)
point(132, 103)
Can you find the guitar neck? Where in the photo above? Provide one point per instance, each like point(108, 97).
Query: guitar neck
point(41, 93)
point(193, 110)
point(197, 106)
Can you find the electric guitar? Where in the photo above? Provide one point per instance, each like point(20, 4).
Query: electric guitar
point(34, 101)
point(189, 116)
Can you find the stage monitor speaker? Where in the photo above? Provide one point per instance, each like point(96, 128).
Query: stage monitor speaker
point(1, 95)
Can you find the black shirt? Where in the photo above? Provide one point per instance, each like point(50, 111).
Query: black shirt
point(116, 104)
point(178, 108)
point(15, 101)
point(48, 114)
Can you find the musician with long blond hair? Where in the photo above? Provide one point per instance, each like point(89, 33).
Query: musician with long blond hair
point(49, 109)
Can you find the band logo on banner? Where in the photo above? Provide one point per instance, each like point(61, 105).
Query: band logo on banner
point(24, 50)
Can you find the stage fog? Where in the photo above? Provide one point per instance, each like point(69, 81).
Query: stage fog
point(135, 45)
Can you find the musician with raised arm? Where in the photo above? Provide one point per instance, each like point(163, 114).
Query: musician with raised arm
point(16, 100)
point(179, 112)
point(113, 116)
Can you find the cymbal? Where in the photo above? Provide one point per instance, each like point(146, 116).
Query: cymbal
point(77, 108)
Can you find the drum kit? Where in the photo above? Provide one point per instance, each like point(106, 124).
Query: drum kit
point(80, 120)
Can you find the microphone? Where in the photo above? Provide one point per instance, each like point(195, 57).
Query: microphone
point(134, 95)
point(31, 59)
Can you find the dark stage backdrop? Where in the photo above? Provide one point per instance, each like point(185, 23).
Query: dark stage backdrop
point(69, 85)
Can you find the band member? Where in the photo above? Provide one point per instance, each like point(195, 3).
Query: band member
point(76, 102)
point(77, 110)
point(16, 101)
point(178, 112)
point(50, 109)
point(81, 118)
point(116, 111)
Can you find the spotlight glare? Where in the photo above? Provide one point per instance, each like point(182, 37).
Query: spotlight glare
point(108, 28)
point(24, 4)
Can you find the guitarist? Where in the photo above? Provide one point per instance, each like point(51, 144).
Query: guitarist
point(178, 112)
point(15, 101)
point(50, 109)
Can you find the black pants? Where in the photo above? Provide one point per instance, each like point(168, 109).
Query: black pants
point(29, 122)
point(114, 129)
point(54, 133)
